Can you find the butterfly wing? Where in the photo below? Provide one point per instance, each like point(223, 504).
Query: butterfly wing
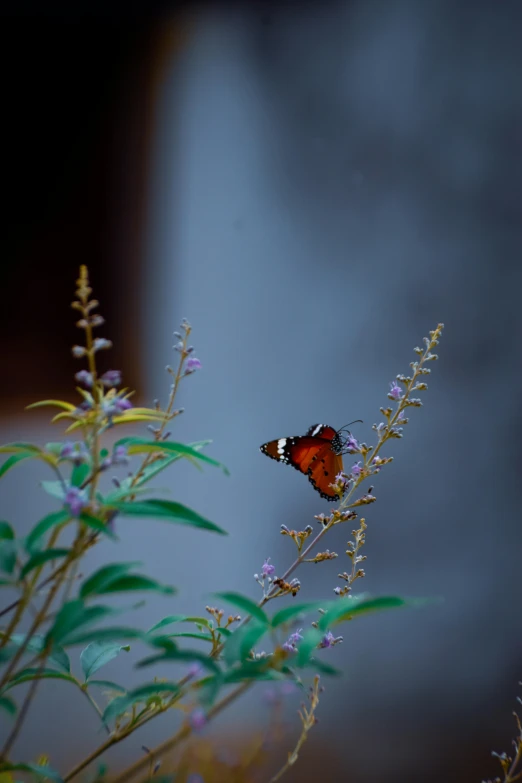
point(323, 470)
point(312, 454)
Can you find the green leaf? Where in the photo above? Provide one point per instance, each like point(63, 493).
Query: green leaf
point(308, 645)
point(39, 558)
point(340, 611)
point(140, 446)
point(245, 605)
point(173, 618)
point(179, 656)
point(36, 769)
point(244, 639)
point(13, 460)
point(6, 531)
point(101, 579)
point(118, 633)
point(54, 448)
point(54, 488)
point(113, 686)
point(205, 637)
point(168, 510)
point(7, 555)
point(73, 615)
point(25, 675)
point(292, 612)
point(43, 526)
point(324, 668)
point(253, 670)
point(97, 654)
point(36, 644)
point(11, 448)
point(8, 705)
point(181, 618)
point(160, 464)
point(79, 473)
point(131, 582)
point(120, 704)
point(97, 524)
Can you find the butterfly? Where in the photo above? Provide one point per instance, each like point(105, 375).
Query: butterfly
point(318, 454)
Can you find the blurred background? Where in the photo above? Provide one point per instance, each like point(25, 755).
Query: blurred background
point(314, 185)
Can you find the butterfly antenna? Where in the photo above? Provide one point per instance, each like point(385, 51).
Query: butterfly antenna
point(355, 421)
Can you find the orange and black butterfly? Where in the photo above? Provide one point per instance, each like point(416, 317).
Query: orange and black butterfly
point(318, 454)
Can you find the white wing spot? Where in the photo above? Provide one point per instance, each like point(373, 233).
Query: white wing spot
point(281, 443)
point(317, 429)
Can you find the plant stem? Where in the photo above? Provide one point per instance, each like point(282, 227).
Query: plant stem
point(180, 735)
point(23, 710)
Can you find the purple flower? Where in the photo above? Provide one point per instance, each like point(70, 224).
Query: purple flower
point(194, 670)
point(195, 779)
point(116, 405)
point(329, 640)
point(356, 469)
point(76, 451)
point(100, 343)
point(120, 456)
point(192, 364)
point(111, 378)
point(198, 719)
point(122, 404)
point(85, 378)
point(76, 500)
point(289, 648)
point(352, 445)
point(268, 569)
point(395, 392)
point(78, 351)
point(295, 637)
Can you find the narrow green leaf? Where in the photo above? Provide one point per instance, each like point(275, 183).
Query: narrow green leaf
point(140, 446)
point(121, 704)
point(13, 460)
point(53, 488)
point(39, 558)
point(100, 580)
point(343, 610)
point(112, 686)
point(173, 618)
point(97, 654)
point(292, 612)
point(8, 705)
point(7, 555)
point(160, 464)
point(34, 538)
point(73, 615)
point(96, 524)
point(132, 582)
point(324, 668)
point(11, 448)
point(205, 637)
point(36, 769)
point(116, 634)
point(79, 473)
point(244, 639)
point(179, 656)
point(6, 531)
point(253, 670)
point(308, 645)
point(245, 605)
point(54, 448)
point(168, 510)
point(36, 644)
point(25, 675)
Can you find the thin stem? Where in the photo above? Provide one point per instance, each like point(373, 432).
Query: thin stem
point(23, 710)
point(95, 706)
point(181, 735)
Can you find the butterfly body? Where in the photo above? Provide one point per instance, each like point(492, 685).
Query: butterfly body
point(318, 455)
